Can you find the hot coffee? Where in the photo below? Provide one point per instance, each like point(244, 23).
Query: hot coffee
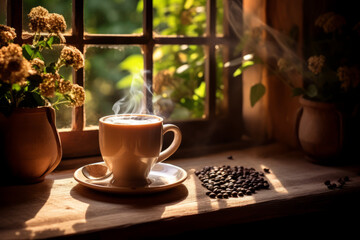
point(131, 119)
point(130, 146)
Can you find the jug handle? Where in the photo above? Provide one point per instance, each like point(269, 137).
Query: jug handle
point(297, 124)
point(50, 113)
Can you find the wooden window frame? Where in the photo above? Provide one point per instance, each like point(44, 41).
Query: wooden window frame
point(213, 129)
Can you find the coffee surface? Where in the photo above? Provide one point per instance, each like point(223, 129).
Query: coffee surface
point(131, 120)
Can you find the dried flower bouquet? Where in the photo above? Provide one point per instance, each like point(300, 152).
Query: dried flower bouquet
point(26, 80)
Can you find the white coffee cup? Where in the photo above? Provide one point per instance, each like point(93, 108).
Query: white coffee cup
point(130, 145)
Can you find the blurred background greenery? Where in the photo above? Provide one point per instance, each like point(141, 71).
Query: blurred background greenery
point(111, 70)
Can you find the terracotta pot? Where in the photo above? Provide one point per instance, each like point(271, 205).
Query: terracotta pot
point(31, 144)
point(320, 130)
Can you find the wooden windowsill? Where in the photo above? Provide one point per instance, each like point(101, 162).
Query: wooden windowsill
point(59, 206)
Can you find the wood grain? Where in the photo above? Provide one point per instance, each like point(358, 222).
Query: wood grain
point(60, 206)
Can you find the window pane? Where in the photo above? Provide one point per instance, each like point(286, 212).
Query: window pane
point(113, 17)
point(219, 17)
point(62, 7)
point(220, 103)
point(3, 12)
point(178, 85)
point(179, 17)
point(111, 74)
point(63, 112)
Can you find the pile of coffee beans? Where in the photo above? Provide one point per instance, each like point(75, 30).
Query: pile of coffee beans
point(227, 181)
point(340, 183)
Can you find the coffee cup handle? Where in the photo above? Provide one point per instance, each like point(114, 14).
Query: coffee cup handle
point(174, 144)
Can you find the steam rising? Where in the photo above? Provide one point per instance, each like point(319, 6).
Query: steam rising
point(134, 102)
point(261, 40)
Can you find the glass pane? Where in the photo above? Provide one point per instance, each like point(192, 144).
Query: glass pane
point(63, 113)
point(180, 17)
point(112, 74)
point(220, 103)
point(113, 17)
point(62, 7)
point(178, 85)
point(3, 12)
point(219, 17)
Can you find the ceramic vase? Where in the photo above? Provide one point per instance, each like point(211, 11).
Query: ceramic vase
point(319, 130)
point(31, 147)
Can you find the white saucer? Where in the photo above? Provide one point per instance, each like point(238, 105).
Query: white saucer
point(162, 176)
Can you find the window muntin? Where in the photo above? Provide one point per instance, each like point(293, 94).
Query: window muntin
point(3, 7)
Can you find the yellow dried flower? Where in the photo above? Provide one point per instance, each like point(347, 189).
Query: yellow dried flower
point(38, 19)
point(348, 76)
point(47, 87)
point(7, 34)
point(56, 23)
point(284, 65)
point(186, 17)
point(13, 67)
point(71, 56)
point(77, 95)
point(316, 63)
point(37, 64)
point(330, 22)
point(64, 86)
point(164, 80)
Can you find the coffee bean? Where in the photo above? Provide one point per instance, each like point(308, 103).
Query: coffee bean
point(341, 181)
point(226, 181)
point(327, 182)
point(266, 170)
point(212, 195)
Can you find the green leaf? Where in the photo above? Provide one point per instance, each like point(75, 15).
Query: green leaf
point(237, 72)
point(257, 91)
point(133, 63)
point(243, 66)
point(200, 91)
point(50, 68)
point(49, 42)
point(247, 64)
point(34, 81)
point(312, 91)
point(16, 87)
point(28, 51)
point(37, 54)
point(32, 99)
point(129, 81)
point(41, 43)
